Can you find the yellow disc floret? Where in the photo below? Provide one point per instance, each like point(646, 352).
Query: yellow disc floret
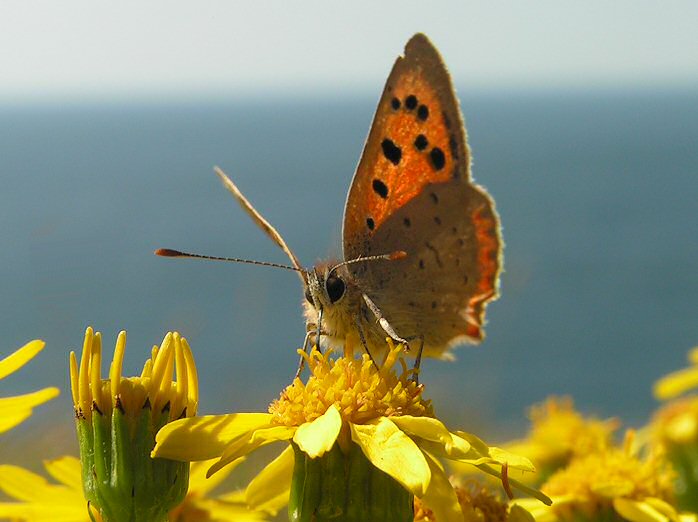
point(358, 389)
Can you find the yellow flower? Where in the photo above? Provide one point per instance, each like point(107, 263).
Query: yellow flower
point(610, 484)
point(345, 404)
point(679, 382)
point(14, 410)
point(37, 500)
point(558, 433)
point(116, 420)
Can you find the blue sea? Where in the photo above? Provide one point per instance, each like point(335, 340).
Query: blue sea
point(598, 196)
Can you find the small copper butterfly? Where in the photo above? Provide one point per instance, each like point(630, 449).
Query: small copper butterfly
point(422, 245)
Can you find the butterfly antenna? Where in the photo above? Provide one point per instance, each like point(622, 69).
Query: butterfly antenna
point(167, 252)
point(261, 222)
point(393, 256)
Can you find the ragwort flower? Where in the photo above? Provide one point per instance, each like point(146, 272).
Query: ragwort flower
point(117, 419)
point(612, 484)
point(559, 433)
point(14, 410)
point(362, 439)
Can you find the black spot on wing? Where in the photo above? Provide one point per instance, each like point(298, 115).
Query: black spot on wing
point(380, 188)
point(411, 102)
point(392, 152)
point(438, 159)
point(395, 103)
point(370, 223)
point(407, 222)
point(421, 142)
point(423, 112)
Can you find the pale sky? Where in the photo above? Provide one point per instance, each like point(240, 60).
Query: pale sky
point(99, 49)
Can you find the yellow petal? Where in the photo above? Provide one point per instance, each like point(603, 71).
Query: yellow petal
point(256, 439)
point(44, 512)
point(269, 491)
point(459, 449)
point(662, 506)
point(393, 452)
point(483, 454)
point(510, 459)
point(676, 383)
point(21, 484)
point(203, 438)
point(475, 442)
point(433, 430)
point(216, 510)
point(519, 514)
point(517, 485)
point(637, 511)
point(200, 484)
point(16, 360)
point(28, 400)
point(10, 420)
point(317, 437)
point(440, 496)
point(66, 470)
point(539, 512)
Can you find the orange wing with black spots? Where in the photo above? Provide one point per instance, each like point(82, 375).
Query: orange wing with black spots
point(412, 192)
point(417, 138)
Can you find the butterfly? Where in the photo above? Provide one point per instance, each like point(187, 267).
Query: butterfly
point(421, 241)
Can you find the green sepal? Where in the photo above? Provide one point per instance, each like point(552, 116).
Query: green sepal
point(120, 478)
point(345, 487)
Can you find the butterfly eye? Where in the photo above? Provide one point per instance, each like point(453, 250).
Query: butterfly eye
point(335, 288)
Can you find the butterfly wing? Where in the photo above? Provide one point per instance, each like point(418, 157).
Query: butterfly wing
point(412, 191)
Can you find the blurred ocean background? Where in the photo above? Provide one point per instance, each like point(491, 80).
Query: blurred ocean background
point(597, 193)
point(596, 184)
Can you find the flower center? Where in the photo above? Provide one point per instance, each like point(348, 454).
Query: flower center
point(358, 389)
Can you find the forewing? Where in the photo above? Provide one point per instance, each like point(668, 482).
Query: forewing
point(417, 139)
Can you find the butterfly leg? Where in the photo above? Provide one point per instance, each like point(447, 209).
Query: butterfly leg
point(301, 361)
point(387, 328)
point(362, 336)
point(311, 332)
point(418, 359)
